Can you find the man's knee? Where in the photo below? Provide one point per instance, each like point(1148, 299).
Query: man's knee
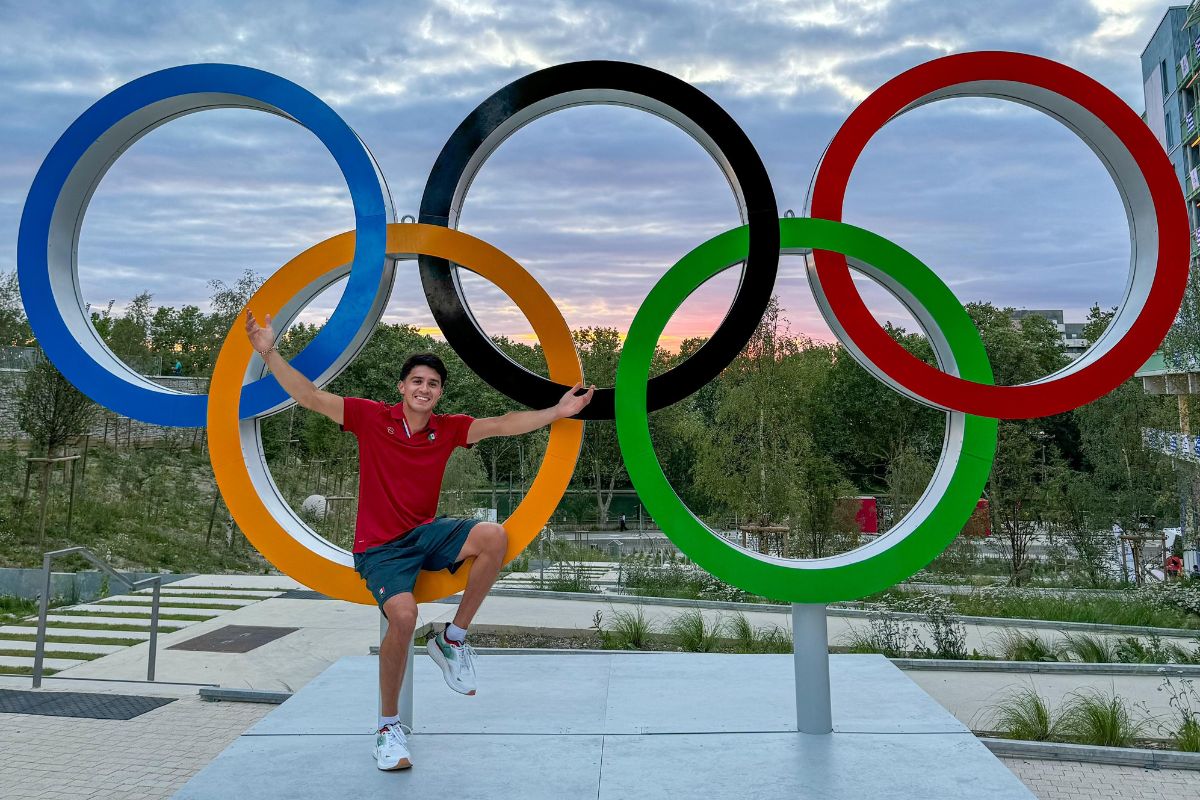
point(496, 537)
point(401, 613)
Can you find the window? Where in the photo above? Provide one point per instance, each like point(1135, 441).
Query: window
point(1170, 131)
point(1162, 76)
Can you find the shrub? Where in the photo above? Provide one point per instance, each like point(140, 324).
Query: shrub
point(1017, 645)
point(1099, 719)
point(693, 633)
point(1091, 649)
point(948, 634)
point(748, 639)
point(1132, 650)
point(630, 629)
point(1024, 714)
point(1184, 734)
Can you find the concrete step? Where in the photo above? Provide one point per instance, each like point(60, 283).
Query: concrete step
point(174, 601)
point(50, 663)
point(137, 612)
point(109, 620)
point(134, 637)
point(276, 583)
point(65, 647)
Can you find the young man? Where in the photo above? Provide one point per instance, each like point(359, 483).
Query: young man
point(402, 455)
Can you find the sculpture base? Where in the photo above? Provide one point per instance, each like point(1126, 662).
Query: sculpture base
point(654, 725)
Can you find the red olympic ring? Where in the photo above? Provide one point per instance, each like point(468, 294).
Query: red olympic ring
point(989, 71)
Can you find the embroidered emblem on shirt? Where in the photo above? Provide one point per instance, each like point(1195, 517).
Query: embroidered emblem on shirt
point(432, 436)
point(391, 431)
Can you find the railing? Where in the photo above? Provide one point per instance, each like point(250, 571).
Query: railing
point(103, 566)
point(1180, 446)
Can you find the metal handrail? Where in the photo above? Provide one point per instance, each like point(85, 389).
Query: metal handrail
point(103, 566)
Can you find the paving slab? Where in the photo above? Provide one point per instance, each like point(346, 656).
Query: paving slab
point(793, 765)
point(143, 611)
point(62, 647)
point(88, 633)
point(268, 582)
point(27, 661)
point(113, 619)
point(172, 601)
point(497, 767)
point(639, 726)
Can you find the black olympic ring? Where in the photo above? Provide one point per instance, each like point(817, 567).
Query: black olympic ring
point(587, 83)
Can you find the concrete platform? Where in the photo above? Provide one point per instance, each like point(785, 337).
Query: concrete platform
point(617, 726)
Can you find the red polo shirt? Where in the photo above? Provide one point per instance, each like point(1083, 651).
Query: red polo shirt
point(399, 475)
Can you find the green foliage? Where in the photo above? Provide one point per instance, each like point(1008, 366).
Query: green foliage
point(50, 409)
point(748, 639)
point(630, 630)
point(1144, 608)
point(693, 632)
point(1183, 730)
point(1024, 714)
point(1017, 645)
point(1104, 720)
point(1091, 649)
point(14, 327)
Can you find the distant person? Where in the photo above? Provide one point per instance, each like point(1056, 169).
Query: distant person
point(621, 523)
point(1174, 567)
point(178, 368)
point(1195, 573)
point(402, 455)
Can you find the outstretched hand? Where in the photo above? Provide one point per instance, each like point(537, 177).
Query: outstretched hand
point(262, 337)
point(572, 403)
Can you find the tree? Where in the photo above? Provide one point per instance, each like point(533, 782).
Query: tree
point(14, 326)
point(758, 457)
point(599, 350)
point(868, 427)
point(51, 411)
point(1181, 348)
point(1029, 452)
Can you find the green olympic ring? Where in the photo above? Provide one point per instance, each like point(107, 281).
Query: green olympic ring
point(958, 481)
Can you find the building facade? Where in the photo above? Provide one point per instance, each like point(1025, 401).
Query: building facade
point(1171, 85)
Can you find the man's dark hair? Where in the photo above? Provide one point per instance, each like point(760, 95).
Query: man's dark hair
point(423, 360)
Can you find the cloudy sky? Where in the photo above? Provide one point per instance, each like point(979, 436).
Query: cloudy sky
point(597, 202)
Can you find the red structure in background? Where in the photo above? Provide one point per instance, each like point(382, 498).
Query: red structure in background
point(980, 523)
point(866, 515)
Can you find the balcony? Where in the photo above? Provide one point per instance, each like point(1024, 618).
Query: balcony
point(1178, 446)
point(1188, 68)
point(1189, 129)
point(1191, 186)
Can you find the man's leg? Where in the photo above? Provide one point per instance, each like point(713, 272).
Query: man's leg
point(487, 543)
point(401, 611)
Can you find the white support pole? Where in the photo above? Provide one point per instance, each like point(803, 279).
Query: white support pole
point(406, 686)
point(406, 689)
point(810, 641)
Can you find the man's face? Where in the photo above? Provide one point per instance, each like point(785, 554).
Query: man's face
point(421, 389)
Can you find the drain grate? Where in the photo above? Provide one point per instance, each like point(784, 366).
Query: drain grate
point(78, 704)
point(233, 639)
point(302, 594)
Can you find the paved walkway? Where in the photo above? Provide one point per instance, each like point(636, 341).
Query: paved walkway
point(54, 758)
point(1065, 780)
point(148, 757)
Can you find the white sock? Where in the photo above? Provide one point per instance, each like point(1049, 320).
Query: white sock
point(385, 721)
point(456, 633)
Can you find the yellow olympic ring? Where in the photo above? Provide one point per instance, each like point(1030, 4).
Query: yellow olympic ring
point(271, 535)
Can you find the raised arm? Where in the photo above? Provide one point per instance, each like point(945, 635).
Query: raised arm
point(302, 390)
point(518, 422)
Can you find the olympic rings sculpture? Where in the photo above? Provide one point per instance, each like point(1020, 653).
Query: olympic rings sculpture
point(241, 394)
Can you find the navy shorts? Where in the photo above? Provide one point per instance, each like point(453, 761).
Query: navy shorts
point(391, 569)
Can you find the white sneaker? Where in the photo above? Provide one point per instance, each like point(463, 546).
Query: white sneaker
point(456, 660)
point(391, 748)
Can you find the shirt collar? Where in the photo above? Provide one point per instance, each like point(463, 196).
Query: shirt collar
point(397, 413)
